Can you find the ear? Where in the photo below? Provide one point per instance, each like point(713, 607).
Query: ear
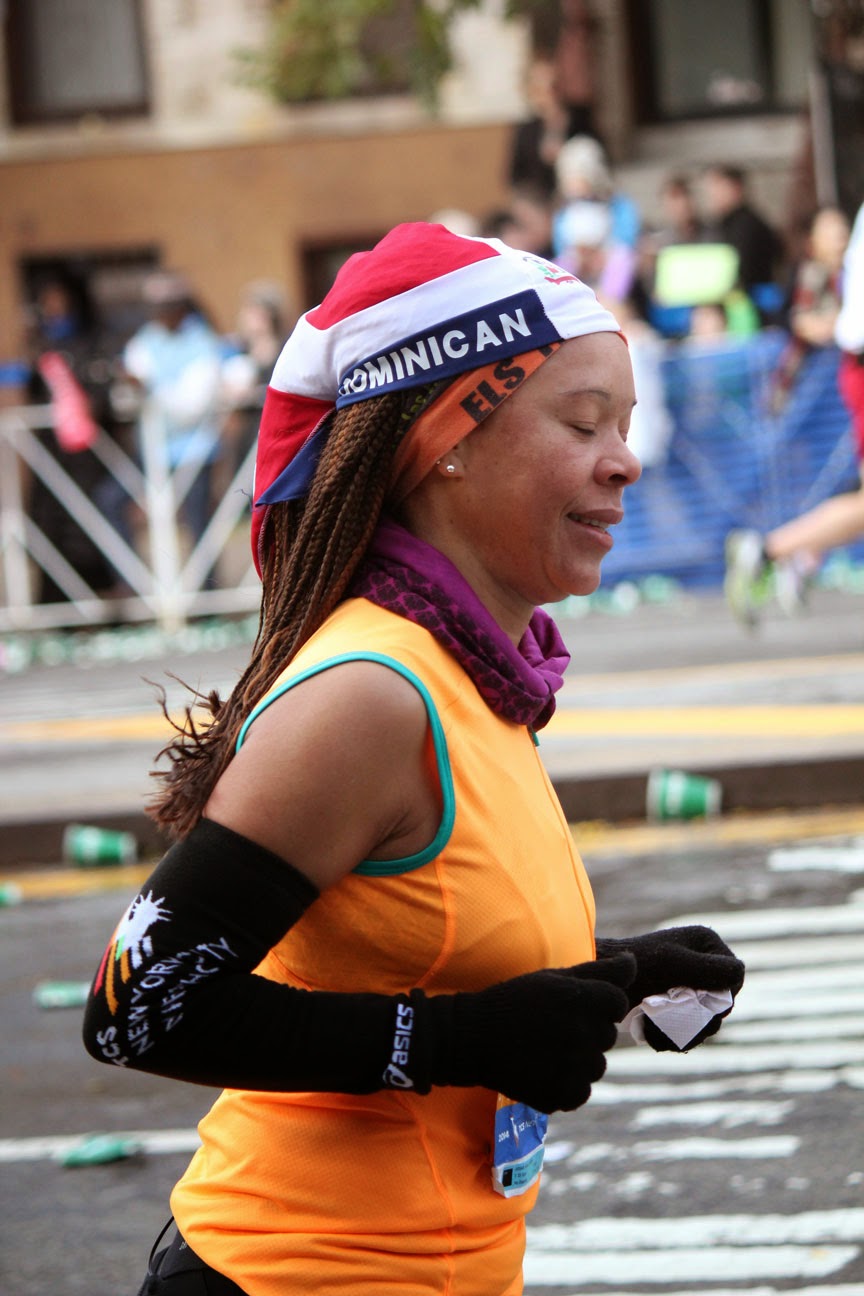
point(451, 465)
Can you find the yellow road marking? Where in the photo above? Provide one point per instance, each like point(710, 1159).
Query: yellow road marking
point(807, 719)
point(793, 720)
point(594, 840)
point(772, 668)
point(54, 884)
point(94, 729)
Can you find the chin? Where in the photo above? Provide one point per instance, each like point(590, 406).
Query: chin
point(579, 587)
point(580, 590)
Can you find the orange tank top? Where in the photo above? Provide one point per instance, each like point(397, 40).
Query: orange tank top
point(394, 1191)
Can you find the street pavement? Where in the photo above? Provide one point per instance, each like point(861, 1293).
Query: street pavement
point(776, 716)
point(735, 1170)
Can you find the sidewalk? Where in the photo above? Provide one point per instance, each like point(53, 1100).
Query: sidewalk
point(777, 717)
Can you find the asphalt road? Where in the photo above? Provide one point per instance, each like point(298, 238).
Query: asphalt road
point(737, 1168)
point(679, 685)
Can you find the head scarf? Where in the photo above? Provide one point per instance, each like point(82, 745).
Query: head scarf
point(423, 306)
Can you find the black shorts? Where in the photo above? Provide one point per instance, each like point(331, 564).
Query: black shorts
point(178, 1271)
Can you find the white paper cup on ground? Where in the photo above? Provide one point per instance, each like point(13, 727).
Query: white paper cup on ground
point(675, 794)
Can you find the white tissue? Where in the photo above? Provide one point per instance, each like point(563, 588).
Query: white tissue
point(680, 1013)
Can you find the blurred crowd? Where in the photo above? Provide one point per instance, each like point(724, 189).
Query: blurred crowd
point(709, 266)
point(711, 263)
point(203, 390)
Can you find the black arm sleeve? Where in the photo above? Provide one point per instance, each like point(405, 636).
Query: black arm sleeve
point(176, 994)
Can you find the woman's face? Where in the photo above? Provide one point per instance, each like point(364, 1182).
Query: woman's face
point(538, 484)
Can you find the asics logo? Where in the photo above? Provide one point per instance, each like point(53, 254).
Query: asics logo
point(394, 1076)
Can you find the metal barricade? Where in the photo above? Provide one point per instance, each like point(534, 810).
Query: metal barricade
point(733, 460)
point(165, 584)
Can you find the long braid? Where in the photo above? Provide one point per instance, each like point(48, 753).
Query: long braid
point(312, 549)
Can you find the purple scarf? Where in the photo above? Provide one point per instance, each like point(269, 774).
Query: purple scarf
point(409, 577)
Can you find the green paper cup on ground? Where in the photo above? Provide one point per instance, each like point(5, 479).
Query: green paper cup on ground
point(91, 847)
point(99, 1149)
point(61, 994)
point(675, 794)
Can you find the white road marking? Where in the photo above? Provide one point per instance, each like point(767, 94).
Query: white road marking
point(52, 1146)
point(835, 1289)
point(689, 1149)
point(837, 859)
point(824, 1026)
point(814, 950)
point(705, 1265)
point(750, 1006)
point(816, 1226)
point(805, 980)
point(717, 1115)
point(609, 1094)
point(715, 1056)
point(796, 1029)
point(756, 924)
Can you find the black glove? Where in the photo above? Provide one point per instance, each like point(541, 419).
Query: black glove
point(677, 956)
point(539, 1038)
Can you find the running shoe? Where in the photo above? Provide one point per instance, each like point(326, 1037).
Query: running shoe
point(791, 585)
point(748, 583)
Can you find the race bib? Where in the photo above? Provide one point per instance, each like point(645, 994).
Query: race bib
point(520, 1139)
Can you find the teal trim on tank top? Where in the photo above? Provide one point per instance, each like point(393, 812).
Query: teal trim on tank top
point(407, 864)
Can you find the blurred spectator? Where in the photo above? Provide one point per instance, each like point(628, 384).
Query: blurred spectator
point(731, 218)
point(595, 229)
point(536, 142)
point(576, 64)
point(708, 321)
point(526, 224)
point(814, 298)
point(680, 225)
point(784, 561)
point(261, 327)
point(532, 214)
point(456, 221)
point(72, 361)
point(651, 423)
point(253, 348)
point(816, 291)
point(176, 360)
point(681, 220)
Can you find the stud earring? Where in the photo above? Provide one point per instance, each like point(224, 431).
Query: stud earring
point(451, 468)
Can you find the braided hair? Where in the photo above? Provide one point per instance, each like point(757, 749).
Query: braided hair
point(311, 548)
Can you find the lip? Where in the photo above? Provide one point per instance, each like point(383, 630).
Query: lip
point(597, 534)
point(607, 517)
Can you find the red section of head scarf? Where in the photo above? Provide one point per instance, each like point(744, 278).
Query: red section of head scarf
point(286, 421)
point(408, 256)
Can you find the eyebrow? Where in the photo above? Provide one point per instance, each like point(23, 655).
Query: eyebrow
point(590, 391)
point(602, 392)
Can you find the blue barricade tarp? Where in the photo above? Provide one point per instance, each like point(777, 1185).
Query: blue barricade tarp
point(732, 462)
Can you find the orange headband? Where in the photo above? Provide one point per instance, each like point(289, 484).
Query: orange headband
point(465, 403)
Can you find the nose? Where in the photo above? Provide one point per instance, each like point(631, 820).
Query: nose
point(620, 466)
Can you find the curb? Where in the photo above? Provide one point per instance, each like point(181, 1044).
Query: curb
point(613, 798)
point(804, 785)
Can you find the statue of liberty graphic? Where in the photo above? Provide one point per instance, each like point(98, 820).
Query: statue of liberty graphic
point(131, 945)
